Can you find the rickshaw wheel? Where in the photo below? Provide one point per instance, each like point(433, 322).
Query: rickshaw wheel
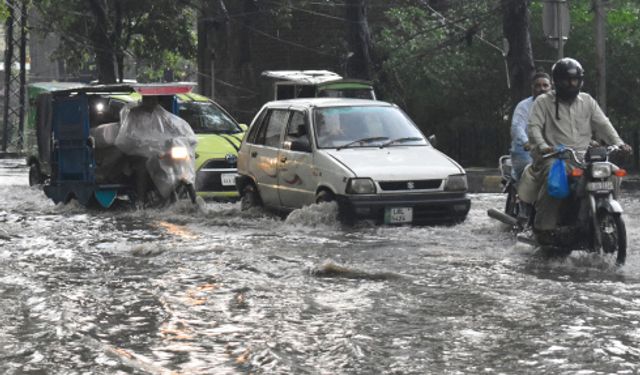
point(35, 176)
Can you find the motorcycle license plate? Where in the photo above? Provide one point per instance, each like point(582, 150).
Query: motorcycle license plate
point(228, 179)
point(600, 185)
point(397, 215)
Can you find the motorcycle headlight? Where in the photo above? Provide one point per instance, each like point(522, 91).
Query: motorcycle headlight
point(179, 153)
point(456, 182)
point(361, 186)
point(600, 170)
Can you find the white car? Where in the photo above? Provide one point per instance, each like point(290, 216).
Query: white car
point(366, 155)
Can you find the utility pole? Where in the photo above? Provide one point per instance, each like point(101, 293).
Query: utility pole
point(555, 23)
point(14, 84)
point(600, 10)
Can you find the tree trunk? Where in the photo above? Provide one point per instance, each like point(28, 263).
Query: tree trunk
point(213, 17)
point(358, 64)
point(204, 56)
point(515, 26)
point(102, 46)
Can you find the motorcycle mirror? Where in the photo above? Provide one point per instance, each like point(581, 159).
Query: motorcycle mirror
point(432, 139)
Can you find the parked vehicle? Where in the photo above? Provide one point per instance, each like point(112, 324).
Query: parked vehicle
point(218, 134)
point(291, 84)
point(591, 216)
point(88, 154)
point(366, 155)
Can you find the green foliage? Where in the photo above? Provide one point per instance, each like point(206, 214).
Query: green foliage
point(451, 85)
point(143, 29)
point(458, 91)
point(4, 12)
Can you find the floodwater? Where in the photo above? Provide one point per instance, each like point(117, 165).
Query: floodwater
point(212, 290)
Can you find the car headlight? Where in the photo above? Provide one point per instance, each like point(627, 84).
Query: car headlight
point(179, 153)
point(456, 182)
point(361, 186)
point(600, 170)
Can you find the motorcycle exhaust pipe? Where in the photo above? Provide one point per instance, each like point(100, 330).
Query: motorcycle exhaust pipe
point(501, 216)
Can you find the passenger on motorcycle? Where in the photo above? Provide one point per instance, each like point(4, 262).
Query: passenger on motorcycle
point(540, 84)
point(564, 116)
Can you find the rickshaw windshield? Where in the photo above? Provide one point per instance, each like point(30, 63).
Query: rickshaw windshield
point(208, 118)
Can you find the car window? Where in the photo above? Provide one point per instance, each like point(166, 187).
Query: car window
point(259, 123)
point(269, 133)
point(364, 126)
point(297, 118)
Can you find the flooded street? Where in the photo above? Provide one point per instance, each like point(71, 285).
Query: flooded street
point(212, 290)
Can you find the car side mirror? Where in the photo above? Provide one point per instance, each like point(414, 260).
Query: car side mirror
point(301, 144)
point(244, 127)
point(433, 140)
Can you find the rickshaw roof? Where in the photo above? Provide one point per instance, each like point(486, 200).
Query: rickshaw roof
point(144, 89)
point(309, 77)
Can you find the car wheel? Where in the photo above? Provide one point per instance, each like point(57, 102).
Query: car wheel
point(325, 196)
point(250, 197)
point(344, 214)
point(35, 176)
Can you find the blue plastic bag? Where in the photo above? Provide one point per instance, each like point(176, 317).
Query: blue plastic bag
point(557, 182)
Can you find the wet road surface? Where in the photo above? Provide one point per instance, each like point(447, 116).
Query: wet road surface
point(212, 290)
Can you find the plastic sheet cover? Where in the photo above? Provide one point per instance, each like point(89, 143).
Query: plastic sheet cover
point(151, 133)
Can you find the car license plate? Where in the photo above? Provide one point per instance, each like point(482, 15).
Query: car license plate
point(396, 215)
point(228, 179)
point(600, 185)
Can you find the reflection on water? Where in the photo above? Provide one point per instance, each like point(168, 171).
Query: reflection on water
point(212, 290)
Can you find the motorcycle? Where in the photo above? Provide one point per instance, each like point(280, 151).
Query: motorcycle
point(590, 217)
point(161, 147)
point(511, 214)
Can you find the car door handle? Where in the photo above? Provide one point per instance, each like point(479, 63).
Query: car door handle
point(254, 154)
point(283, 159)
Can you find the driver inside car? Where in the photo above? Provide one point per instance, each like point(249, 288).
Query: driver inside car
point(330, 131)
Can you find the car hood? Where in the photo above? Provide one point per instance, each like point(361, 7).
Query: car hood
point(216, 146)
point(397, 163)
point(219, 143)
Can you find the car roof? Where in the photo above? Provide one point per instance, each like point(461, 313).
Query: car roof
point(327, 102)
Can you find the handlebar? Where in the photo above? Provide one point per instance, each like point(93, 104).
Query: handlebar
point(572, 153)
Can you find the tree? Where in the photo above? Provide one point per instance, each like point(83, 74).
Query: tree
point(515, 25)
point(105, 31)
point(359, 63)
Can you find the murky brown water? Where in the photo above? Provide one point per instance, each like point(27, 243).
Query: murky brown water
point(213, 290)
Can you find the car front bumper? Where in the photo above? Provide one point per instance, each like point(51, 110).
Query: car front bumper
point(211, 184)
point(427, 208)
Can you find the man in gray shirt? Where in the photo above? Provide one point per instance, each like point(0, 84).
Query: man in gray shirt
point(564, 116)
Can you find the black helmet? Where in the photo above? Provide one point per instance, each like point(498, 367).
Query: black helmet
point(563, 71)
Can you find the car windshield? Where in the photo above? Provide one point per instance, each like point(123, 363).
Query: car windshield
point(365, 126)
point(208, 118)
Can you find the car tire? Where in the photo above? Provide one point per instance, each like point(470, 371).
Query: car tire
point(250, 197)
point(344, 215)
point(325, 196)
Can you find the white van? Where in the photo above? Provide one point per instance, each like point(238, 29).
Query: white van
point(367, 155)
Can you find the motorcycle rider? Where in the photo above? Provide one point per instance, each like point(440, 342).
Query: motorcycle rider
point(564, 116)
point(540, 84)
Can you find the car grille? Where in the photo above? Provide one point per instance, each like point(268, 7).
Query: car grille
point(208, 177)
point(409, 185)
point(218, 163)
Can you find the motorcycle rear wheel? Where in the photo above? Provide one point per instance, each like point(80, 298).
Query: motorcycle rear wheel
point(511, 207)
point(614, 235)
